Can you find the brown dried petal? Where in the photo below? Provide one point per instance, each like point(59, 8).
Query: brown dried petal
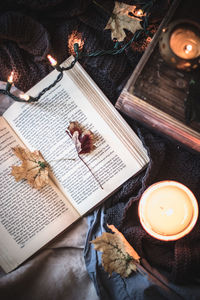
point(87, 142)
point(18, 172)
point(32, 173)
point(40, 180)
point(83, 139)
point(77, 143)
point(74, 126)
point(20, 153)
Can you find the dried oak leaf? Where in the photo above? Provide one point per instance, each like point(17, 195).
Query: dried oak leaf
point(83, 139)
point(33, 168)
point(122, 18)
point(118, 255)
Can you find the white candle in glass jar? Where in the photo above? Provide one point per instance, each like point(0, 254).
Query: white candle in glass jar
point(168, 210)
point(185, 43)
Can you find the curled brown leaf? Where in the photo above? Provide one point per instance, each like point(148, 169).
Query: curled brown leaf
point(33, 168)
point(117, 254)
point(83, 139)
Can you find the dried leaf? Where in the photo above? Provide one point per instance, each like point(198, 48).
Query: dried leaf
point(83, 139)
point(77, 143)
point(123, 18)
point(118, 255)
point(33, 168)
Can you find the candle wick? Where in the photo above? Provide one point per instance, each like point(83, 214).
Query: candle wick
point(188, 48)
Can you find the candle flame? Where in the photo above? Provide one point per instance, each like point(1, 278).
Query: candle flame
point(24, 97)
point(188, 48)
point(53, 62)
point(10, 78)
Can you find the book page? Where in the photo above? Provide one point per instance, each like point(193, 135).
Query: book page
point(43, 126)
point(108, 112)
point(28, 218)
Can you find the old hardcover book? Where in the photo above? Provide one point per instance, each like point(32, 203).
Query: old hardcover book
point(30, 218)
point(155, 94)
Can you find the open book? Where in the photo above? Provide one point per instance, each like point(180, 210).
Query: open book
point(31, 218)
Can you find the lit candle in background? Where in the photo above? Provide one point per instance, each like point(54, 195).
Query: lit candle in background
point(180, 44)
point(168, 210)
point(185, 43)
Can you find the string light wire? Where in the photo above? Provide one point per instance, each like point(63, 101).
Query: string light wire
point(117, 49)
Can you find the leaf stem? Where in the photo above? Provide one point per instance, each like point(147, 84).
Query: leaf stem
point(101, 7)
point(155, 277)
point(62, 159)
point(68, 133)
point(90, 171)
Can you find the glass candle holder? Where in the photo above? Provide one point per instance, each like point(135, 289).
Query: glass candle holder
point(168, 210)
point(180, 44)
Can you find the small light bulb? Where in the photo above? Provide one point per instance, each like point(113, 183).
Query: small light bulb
point(52, 60)
point(24, 97)
point(139, 13)
point(10, 78)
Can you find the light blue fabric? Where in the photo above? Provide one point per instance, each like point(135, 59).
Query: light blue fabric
point(137, 286)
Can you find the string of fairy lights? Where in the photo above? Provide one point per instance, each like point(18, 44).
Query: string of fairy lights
point(118, 48)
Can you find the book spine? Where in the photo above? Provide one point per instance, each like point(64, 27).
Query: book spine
point(158, 120)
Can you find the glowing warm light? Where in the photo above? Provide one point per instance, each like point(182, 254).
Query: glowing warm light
point(148, 39)
point(53, 62)
point(168, 210)
point(139, 13)
point(24, 97)
point(188, 48)
point(10, 78)
point(75, 38)
point(185, 43)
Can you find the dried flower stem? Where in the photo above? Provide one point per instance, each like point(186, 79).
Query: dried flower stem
point(90, 171)
point(101, 7)
point(157, 278)
point(86, 163)
point(62, 159)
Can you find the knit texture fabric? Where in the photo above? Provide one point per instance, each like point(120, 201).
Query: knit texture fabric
point(31, 29)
